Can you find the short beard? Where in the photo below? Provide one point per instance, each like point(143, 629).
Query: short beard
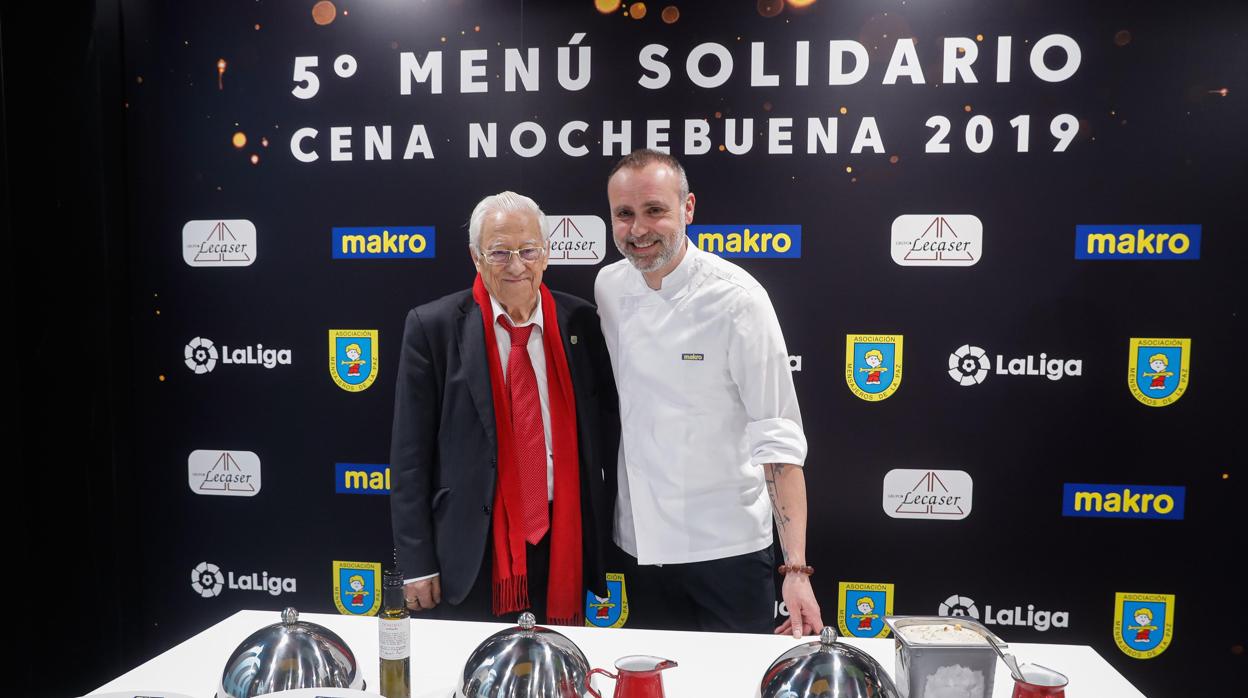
point(647, 266)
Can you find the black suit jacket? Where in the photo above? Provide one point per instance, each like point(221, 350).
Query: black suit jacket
point(443, 448)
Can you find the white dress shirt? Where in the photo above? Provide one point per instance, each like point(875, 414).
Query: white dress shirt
point(706, 398)
point(537, 354)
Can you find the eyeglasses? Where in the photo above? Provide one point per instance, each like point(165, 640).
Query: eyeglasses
point(526, 254)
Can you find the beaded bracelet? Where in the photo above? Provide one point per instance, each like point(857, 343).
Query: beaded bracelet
point(799, 569)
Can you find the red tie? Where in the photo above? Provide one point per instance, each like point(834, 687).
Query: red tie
point(527, 432)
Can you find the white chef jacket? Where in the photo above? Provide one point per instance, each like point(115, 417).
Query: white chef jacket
point(537, 354)
point(706, 398)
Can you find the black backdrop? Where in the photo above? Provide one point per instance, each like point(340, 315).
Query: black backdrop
point(1158, 143)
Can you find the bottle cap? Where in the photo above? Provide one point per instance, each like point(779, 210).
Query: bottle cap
point(392, 578)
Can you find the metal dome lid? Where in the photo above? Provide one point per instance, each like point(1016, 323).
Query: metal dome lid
point(288, 655)
point(525, 660)
point(826, 668)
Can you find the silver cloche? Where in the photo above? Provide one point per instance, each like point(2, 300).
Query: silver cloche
point(525, 661)
point(826, 668)
point(288, 655)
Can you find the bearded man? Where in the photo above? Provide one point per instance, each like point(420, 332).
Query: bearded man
point(711, 435)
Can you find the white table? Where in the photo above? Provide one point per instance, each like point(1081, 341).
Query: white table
point(719, 664)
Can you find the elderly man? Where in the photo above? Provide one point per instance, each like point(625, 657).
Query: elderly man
point(711, 435)
point(504, 420)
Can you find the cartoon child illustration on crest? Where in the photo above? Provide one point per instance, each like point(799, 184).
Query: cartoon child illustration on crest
point(1158, 363)
point(864, 615)
point(356, 582)
point(1144, 619)
point(353, 353)
point(873, 360)
point(602, 607)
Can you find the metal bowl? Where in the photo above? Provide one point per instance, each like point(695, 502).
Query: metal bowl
point(288, 655)
point(525, 661)
point(960, 667)
point(826, 668)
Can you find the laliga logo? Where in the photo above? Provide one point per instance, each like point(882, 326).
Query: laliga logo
point(208, 581)
point(962, 607)
point(959, 607)
point(201, 355)
point(970, 365)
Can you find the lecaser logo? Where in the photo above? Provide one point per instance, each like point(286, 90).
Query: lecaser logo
point(933, 240)
point(928, 494)
point(224, 473)
point(757, 240)
point(577, 239)
point(219, 243)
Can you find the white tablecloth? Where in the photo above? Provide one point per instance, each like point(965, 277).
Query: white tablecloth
point(710, 664)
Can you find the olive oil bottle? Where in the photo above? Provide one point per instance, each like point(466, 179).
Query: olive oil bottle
point(394, 639)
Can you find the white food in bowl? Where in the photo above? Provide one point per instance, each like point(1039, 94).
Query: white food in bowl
point(954, 681)
point(941, 634)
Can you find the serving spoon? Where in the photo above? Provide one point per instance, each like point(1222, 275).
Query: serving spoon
point(1009, 659)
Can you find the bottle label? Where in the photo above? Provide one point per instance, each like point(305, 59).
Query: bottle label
point(395, 639)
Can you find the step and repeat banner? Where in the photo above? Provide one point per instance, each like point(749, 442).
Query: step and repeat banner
point(1000, 237)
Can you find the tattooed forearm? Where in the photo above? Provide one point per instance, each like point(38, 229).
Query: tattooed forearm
point(786, 487)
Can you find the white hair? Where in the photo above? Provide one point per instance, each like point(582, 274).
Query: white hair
point(503, 202)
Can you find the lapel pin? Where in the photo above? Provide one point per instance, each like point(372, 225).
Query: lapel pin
point(573, 338)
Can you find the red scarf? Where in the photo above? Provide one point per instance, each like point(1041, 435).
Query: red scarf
point(565, 596)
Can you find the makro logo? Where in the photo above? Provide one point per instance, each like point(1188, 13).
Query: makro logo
point(384, 242)
point(970, 365)
point(202, 355)
point(931, 240)
point(577, 239)
point(963, 607)
point(361, 478)
point(1123, 501)
point(227, 473)
point(1135, 242)
point(208, 580)
point(760, 241)
point(219, 243)
point(927, 494)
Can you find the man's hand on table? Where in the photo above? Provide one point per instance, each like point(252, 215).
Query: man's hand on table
point(423, 594)
point(799, 598)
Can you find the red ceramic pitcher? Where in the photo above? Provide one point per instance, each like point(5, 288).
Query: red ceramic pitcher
point(639, 677)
